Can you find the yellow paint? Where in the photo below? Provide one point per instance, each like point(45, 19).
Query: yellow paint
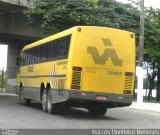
point(106, 77)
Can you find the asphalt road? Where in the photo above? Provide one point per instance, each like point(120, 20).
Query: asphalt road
point(16, 116)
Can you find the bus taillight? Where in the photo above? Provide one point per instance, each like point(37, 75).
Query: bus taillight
point(76, 78)
point(77, 68)
point(127, 92)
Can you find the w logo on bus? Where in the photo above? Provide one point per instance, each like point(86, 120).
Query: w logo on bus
point(108, 53)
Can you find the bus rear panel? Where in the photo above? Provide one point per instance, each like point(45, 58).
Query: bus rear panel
point(102, 66)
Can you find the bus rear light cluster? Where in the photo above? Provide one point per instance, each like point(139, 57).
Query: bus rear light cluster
point(75, 87)
point(76, 78)
point(127, 92)
point(77, 68)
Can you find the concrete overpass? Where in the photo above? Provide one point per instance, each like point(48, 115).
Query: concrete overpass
point(15, 31)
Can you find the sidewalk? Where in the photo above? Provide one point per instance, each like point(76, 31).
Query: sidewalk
point(7, 94)
point(146, 106)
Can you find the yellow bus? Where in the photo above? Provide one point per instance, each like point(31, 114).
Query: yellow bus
point(84, 66)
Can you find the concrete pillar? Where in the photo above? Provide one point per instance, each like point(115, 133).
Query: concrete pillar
point(13, 52)
point(140, 74)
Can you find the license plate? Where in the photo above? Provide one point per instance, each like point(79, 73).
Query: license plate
point(101, 98)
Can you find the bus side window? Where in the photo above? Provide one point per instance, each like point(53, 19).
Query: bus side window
point(63, 47)
point(58, 50)
point(31, 60)
point(31, 55)
point(22, 58)
point(53, 50)
point(40, 53)
point(50, 50)
point(27, 56)
point(43, 55)
point(36, 55)
point(67, 45)
point(47, 51)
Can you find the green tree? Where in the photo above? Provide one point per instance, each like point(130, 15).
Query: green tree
point(151, 76)
point(152, 46)
point(58, 15)
point(2, 79)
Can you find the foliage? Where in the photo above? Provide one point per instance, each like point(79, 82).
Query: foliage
point(4, 78)
point(151, 76)
point(57, 15)
point(152, 46)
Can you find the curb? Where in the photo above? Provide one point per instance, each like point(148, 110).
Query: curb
point(146, 106)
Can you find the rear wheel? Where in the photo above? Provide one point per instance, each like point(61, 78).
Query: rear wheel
point(52, 108)
point(44, 100)
point(22, 99)
point(97, 110)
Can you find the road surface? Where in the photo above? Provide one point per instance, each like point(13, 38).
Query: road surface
point(16, 116)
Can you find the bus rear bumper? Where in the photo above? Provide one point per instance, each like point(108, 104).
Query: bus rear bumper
point(82, 98)
point(111, 100)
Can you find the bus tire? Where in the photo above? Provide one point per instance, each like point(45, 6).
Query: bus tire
point(52, 108)
point(22, 100)
point(97, 110)
point(44, 100)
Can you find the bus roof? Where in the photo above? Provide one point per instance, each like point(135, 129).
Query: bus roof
point(50, 38)
point(62, 34)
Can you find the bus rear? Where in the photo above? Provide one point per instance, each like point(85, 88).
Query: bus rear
point(102, 66)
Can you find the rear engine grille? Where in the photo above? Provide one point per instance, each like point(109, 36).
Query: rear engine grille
point(61, 84)
point(128, 81)
point(76, 79)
